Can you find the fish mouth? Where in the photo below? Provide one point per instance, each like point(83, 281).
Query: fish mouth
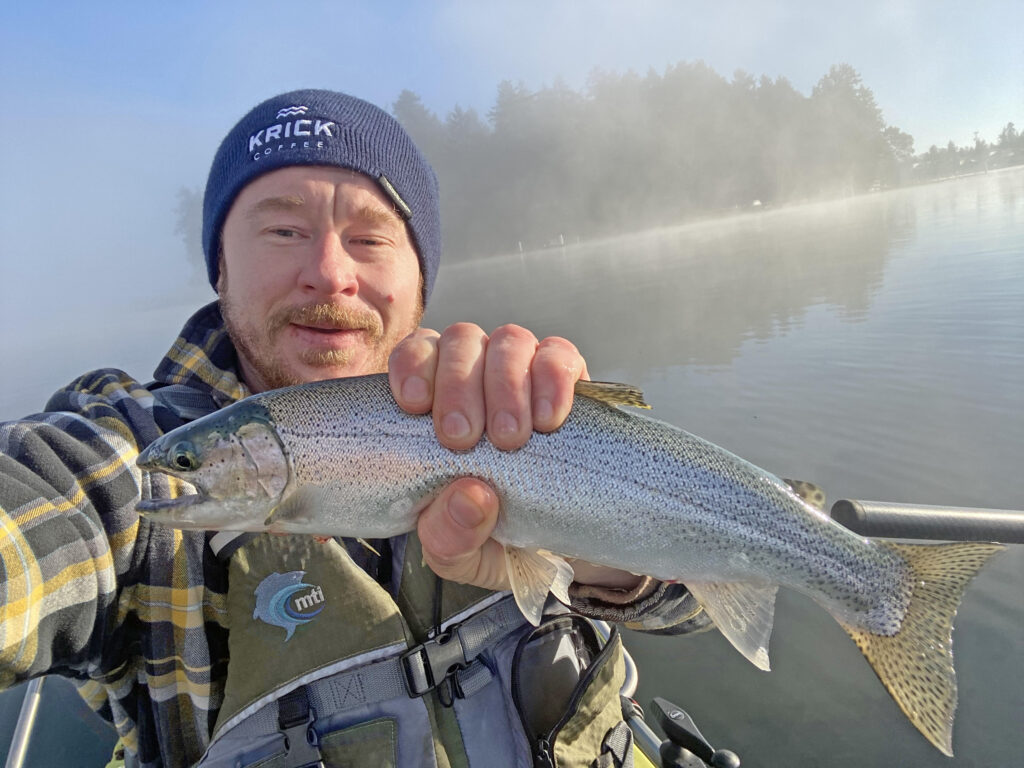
point(159, 506)
point(185, 512)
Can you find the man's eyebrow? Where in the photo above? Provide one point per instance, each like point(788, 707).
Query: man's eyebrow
point(377, 215)
point(282, 203)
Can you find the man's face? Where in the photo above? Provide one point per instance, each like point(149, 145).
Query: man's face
point(318, 279)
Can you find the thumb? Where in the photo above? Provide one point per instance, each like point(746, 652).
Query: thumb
point(455, 532)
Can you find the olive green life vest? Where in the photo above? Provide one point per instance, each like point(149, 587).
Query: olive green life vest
point(328, 668)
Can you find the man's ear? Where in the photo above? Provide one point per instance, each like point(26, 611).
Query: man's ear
point(221, 279)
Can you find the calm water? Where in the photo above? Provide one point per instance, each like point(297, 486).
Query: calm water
point(874, 346)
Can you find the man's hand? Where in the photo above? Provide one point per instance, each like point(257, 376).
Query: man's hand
point(508, 384)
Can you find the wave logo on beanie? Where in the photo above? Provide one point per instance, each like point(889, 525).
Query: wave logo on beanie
point(290, 111)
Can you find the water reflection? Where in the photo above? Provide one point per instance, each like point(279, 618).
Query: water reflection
point(693, 293)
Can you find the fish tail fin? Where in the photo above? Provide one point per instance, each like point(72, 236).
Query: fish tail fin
point(916, 664)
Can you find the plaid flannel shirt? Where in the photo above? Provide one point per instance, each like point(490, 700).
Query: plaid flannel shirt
point(135, 613)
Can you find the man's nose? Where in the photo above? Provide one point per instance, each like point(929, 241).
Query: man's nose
point(330, 269)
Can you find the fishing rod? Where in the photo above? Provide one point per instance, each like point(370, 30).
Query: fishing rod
point(26, 721)
point(917, 521)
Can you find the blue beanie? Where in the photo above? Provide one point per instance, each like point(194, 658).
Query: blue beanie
point(314, 127)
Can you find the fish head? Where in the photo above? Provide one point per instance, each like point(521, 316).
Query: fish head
point(235, 460)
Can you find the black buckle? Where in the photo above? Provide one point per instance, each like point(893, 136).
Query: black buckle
point(295, 719)
point(301, 750)
point(428, 665)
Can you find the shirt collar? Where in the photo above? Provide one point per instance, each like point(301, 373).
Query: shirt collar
point(203, 357)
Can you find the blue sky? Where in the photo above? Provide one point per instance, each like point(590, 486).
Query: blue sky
point(111, 108)
point(939, 69)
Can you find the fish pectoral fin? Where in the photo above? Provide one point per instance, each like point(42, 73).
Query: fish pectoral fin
point(533, 574)
point(610, 393)
point(743, 612)
point(809, 492)
point(302, 506)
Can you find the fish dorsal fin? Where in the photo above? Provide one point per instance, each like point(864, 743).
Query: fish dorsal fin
point(743, 613)
point(809, 492)
point(610, 393)
point(533, 574)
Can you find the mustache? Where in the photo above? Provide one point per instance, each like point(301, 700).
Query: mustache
point(325, 315)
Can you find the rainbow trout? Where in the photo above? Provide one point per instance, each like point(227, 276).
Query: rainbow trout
point(340, 458)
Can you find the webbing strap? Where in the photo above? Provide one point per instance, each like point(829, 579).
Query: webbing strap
point(617, 748)
point(426, 665)
point(409, 674)
point(293, 708)
point(225, 543)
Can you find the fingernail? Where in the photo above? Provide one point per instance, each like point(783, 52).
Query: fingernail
point(464, 510)
point(505, 423)
point(543, 411)
point(455, 425)
point(414, 389)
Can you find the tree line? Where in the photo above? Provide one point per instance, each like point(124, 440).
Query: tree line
point(981, 156)
point(555, 165)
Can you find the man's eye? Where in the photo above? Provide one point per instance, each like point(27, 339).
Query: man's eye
point(283, 232)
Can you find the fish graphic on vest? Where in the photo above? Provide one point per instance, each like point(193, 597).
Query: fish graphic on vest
point(277, 604)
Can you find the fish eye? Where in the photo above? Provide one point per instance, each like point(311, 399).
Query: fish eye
point(183, 456)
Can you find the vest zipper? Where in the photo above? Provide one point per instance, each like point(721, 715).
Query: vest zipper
point(543, 757)
point(543, 752)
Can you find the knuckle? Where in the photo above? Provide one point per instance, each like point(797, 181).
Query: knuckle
point(510, 334)
point(559, 359)
point(423, 334)
point(415, 347)
point(462, 331)
point(461, 348)
point(559, 345)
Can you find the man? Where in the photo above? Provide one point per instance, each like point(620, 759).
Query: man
point(322, 238)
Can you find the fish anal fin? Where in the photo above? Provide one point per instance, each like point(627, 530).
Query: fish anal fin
point(809, 492)
point(610, 393)
point(916, 664)
point(533, 574)
point(743, 612)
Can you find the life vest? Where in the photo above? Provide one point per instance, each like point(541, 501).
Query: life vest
point(328, 668)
